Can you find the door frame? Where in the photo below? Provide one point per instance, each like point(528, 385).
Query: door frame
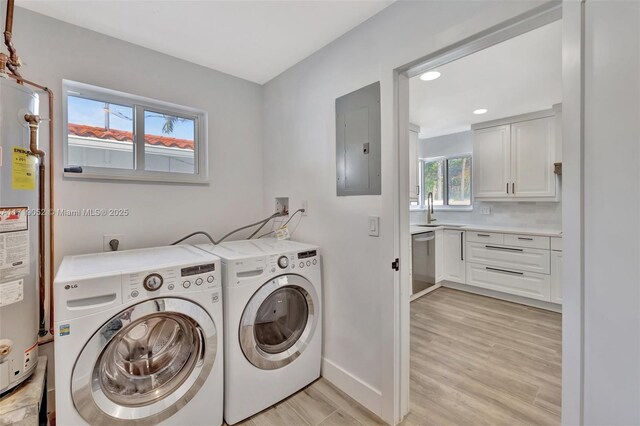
point(571, 12)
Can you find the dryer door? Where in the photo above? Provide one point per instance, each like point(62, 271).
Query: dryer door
point(279, 322)
point(145, 363)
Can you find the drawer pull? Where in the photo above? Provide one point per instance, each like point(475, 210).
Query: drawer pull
point(483, 235)
point(504, 271)
point(525, 239)
point(503, 248)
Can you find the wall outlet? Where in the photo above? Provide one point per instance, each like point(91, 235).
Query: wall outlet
point(282, 204)
point(485, 210)
point(107, 242)
point(305, 206)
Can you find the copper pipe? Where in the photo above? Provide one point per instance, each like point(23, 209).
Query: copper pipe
point(21, 80)
point(14, 60)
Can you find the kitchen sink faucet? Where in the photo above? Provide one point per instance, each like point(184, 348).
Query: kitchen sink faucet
point(430, 217)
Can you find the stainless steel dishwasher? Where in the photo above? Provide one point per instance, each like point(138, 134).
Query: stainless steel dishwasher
point(423, 261)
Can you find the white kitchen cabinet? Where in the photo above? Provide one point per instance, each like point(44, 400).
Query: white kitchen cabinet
point(533, 153)
point(556, 277)
point(414, 179)
point(526, 284)
point(439, 255)
point(513, 158)
point(454, 263)
point(492, 162)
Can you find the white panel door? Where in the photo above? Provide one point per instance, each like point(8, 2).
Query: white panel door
point(454, 264)
point(414, 186)
point(439, 256)
point(532, 156)
point(556, 277)
point(491, 162)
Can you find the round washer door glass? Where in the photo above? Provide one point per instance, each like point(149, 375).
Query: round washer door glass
point(145, 363)
point(279, 321)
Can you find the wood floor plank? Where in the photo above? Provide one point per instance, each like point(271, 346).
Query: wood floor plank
point(478, 360)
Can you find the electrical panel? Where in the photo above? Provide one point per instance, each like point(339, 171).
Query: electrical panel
point(358, 159)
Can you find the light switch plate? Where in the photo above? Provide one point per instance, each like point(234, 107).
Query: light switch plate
point(374, 226)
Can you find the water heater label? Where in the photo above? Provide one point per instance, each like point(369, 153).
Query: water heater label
point(14, 243)
point(11, 292)
point(23, 169)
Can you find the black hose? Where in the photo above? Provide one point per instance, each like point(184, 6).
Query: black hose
point(261, 222)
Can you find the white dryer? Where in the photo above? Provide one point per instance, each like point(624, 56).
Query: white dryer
point(273, 322)
point(139, 338)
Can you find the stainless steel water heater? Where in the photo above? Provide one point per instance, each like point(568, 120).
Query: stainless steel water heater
point(19, 305)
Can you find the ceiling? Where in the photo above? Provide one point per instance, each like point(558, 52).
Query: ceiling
point(518, 76)
point(254, 40)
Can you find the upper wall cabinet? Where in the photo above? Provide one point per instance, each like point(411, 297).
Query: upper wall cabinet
point(513, 158)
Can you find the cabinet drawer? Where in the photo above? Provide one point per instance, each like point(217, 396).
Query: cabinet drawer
point(485, 237)
point(526, 241)
point(512, 258)
point(526, 284)
point(556, 243)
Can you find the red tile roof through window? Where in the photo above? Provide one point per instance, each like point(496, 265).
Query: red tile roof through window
point(124, 136)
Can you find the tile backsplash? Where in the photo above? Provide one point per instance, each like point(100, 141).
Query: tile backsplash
point(516, 214)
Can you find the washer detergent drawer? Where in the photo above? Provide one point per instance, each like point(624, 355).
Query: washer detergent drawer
point(511, 258)
point(526, 284)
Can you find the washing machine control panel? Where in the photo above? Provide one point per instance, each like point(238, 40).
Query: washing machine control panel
point(154, 283)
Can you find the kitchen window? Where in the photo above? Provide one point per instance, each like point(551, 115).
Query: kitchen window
point(449, 179)
point(114, 135)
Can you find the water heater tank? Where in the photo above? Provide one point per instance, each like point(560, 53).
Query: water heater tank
point(18, 237)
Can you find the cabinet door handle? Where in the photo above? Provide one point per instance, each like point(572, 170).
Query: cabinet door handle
point(525, 239)
point(461, 247)
point(483, 235)
point(503, 248)
point(417, 189)
point(507, 187)
point(513, 189)
point(504, 271)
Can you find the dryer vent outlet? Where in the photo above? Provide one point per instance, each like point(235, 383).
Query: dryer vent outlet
point(282, 204)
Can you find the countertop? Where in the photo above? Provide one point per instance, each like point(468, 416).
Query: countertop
point(417, 229)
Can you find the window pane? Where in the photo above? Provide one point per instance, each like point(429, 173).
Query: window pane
point(433, 172)
point(459, 181)
point(100, 134)
point(169, 143)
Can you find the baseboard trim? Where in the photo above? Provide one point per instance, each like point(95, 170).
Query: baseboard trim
point(362, 392)
point(541, 304)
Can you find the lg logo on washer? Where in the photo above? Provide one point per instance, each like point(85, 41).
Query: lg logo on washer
point(70, 286)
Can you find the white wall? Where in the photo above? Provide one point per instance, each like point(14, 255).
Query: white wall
point(160, 214)
point(515, 214)
point(299, 154)
point(611, 214)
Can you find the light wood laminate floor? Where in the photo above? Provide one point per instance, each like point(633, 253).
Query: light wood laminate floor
point(476, 360)
point(318, 404)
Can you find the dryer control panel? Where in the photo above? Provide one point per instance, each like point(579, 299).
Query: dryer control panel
point(292, 261)
point(153, 283)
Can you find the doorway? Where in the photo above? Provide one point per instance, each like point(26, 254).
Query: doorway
point(447, 175)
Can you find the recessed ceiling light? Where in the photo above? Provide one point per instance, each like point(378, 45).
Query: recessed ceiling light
point(429, 75)
point(480, 111)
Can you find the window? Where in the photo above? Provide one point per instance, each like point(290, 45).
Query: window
point(448, 179)
point(114, 135)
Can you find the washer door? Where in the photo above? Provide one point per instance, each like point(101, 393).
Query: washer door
point(145, 363)
point(279, 321)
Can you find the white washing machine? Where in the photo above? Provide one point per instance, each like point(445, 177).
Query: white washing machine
point(139, 338)
point(273, 322)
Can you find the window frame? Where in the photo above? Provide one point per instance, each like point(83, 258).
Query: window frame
point(445, 200)
point(139, 105)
